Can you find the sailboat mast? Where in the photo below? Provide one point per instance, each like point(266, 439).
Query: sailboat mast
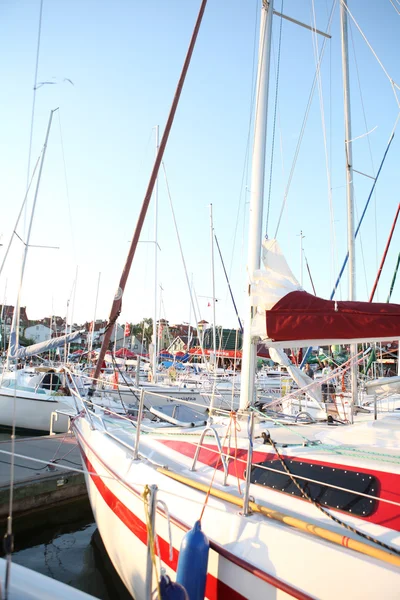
point(213, 288)
point(349, 152)
point(155, 349)
point(90, 348)
point(349, 180)
point(257, 197)
point(117, 303)
point(16, 314)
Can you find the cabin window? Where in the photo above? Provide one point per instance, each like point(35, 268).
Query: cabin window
point(51, 381)
point(329, 497)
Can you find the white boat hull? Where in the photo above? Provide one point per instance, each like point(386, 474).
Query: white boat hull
point(29, 412)
point(250, 557)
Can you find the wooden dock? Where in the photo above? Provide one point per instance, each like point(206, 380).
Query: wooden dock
point(40, 484)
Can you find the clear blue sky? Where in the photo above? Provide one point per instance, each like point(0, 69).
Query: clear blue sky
point(124, 58)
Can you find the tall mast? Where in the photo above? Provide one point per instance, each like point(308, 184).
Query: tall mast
point(90, 346)
point(257, 196)
point(213, 288)
point(16, 314)
point(349, 152)
point(154, 365)
point(117, 303)
point(349, 181)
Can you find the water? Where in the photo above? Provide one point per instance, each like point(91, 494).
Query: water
point(64, 543)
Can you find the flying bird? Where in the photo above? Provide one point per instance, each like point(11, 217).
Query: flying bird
point(41, 83)
point(44, 83)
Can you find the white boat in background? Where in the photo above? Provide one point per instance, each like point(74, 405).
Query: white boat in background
point(28, 400)
point(223, 394)
point(25, 584)
point(40, 399)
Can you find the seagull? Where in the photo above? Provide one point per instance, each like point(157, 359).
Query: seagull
point(41, 83)
point(44, 83)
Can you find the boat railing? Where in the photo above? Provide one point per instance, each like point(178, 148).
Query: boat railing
point(218, 442)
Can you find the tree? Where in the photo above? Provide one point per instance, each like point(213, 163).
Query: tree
point(143, 331)
point(23, 341)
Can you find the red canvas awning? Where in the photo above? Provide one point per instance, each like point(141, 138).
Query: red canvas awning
point(300, 316)
point(125, 353)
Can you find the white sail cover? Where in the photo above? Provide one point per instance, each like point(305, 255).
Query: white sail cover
point(269, 284)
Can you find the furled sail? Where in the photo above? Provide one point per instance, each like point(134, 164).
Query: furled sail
point(23, 353)
point(286, 315)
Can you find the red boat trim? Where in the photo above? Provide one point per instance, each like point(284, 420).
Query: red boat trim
point(385, 515)
point(215, 588)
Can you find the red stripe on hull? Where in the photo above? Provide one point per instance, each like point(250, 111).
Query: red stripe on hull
point(215, 588)
point(386, 515)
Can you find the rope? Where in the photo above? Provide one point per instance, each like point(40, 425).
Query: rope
point(116, 367)
point(276, 422)
point(350, 451)
point(150, 535)
point(236, 429)
point(326, 512)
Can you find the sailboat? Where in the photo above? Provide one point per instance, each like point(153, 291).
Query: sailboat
point(287, 514)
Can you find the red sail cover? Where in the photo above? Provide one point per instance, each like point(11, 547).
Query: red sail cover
point(302, 316)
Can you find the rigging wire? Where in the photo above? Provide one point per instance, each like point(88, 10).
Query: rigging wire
point(393, 279)
point(326, 152)
point(191, 289)
point(278, 64)
point(366, 204)
point(34, 90)
point(369, 145)
point(247, 152)
point(305, 119)
point(393, 84)
point(67, 188)
point(309, 273)
point(14, 232)
point(229, 285)
point(362, 248)
point(8, 538)
point(395, 7)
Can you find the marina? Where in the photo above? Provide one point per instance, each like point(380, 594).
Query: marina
point(63, 543)
point(158, 458)
point(54, 529)
point(42, 473)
